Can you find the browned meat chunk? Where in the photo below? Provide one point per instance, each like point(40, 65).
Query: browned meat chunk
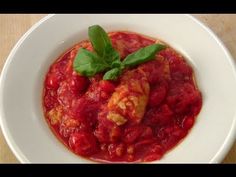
point(130, 98)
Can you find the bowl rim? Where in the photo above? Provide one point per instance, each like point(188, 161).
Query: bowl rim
point(219, 156)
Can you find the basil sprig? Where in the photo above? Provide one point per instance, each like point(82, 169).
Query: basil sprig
point(112, 74)
point(106, 58)
point(88, 63)
point(102, 44)
point(142, 55)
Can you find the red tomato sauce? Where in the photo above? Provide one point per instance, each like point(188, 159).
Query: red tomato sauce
point(158, 101)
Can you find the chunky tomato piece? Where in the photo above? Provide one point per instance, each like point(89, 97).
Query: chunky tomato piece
point(50, 99)
point(157, 95)
point(159, 117)
point(107, 86)
point(132, 133)
point(188, 122)
point(146, 133)
point(78, 83)
point(116, 150)
point(183, 97)
point(83, 143)
point(155, 153)
point(52, 81)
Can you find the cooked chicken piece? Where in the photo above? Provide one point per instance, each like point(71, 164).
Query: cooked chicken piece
point(69, 125)
point(117, 118)
point(130, 98)
point(55, 115)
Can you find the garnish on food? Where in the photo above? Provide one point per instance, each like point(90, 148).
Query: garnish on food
point(106, 58)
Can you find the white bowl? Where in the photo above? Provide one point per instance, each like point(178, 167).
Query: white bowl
point(21, 84)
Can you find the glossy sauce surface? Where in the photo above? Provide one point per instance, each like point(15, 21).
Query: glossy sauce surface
point(139, 117)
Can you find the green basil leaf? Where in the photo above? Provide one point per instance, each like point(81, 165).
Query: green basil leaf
point(99, 39)
point(106, 58)
point(116, 64)
point(102, 44)
point(143, 55)
point(88, 63)
point(112, 74)
point(111, 56)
